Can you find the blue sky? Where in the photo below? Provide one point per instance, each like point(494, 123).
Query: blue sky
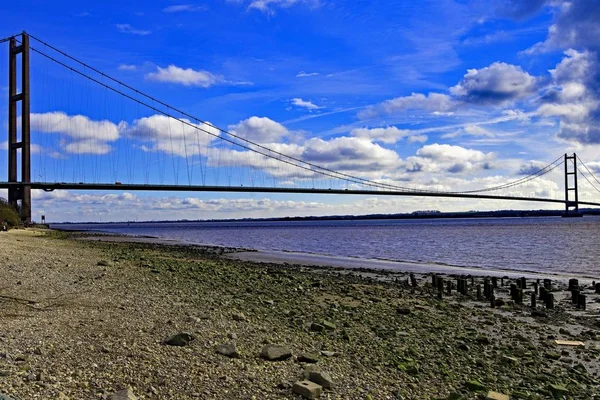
point(447, 95)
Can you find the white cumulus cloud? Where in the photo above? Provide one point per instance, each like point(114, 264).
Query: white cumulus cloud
point(388, 135)
point(433, 102)
point(496, 84)
point(186, 77)
point(298, 102)
point(182, 138)
point(446, 152)
point(85, 136)
point(260, 129)
point(574, 97)
point(576, 26)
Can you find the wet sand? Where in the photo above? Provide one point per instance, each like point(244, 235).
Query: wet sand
point(307, 259)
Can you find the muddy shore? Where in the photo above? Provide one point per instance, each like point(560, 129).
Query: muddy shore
point(82, 319)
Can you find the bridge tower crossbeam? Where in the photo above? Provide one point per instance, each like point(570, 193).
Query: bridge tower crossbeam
point(21, 193)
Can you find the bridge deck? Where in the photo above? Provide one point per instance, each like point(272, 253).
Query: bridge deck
point(243, 189)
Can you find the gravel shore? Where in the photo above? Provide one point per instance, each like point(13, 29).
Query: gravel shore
point(84, 319)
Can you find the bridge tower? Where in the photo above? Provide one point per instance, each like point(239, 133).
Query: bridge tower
point(571, 200)
point(19, 196)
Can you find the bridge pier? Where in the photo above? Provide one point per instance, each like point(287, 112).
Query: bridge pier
point(571, 202)
point(19, 196)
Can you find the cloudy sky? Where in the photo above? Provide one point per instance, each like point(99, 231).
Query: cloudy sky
point(443, 95)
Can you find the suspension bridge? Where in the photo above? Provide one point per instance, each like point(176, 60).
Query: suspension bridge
point(130, 141)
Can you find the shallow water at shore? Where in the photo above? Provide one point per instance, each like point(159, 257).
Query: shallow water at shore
point(536, 245)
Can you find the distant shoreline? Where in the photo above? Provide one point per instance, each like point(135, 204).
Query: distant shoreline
point(407, 216)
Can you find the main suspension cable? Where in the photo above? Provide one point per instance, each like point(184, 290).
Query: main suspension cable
point(320, 170)
point(250, 142)
point(251, 145)
point(586, 178)
point(541, 172)
point(588, 170)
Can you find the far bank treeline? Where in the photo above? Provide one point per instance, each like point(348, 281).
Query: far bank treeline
point(8, 214)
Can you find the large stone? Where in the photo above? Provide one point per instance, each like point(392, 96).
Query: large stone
point(496, 396)
point(123, 394)
point(239, 317)
point(310, 358)
point(274, 352)
point(321, 378)
point(330, 326)
point(403, 310)
point(328, 353)
point(483, 340)
point(181, 339)
point(315, 327)
point(558, 390)
point(551, 355)
point(475, 386)
point(228, 350)
point(308, 369)
point(307, 389)
point(510, 360)
point(104, 263)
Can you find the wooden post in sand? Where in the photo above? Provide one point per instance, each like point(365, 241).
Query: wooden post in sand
point(493, 301)
point(543, 294)
point(533, 300)
point(573, 284)
point(581, 302)
point(519, 296)
point(479, 292)
point(550, 301)
point(513, 291)
point(413, 280)
point(575, 297)
point(463, 286)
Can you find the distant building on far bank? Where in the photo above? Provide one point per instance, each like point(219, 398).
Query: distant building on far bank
point(426, 212)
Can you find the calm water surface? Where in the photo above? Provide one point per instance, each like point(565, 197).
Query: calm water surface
point(548, 245)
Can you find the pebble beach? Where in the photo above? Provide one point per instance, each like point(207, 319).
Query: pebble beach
point(83, 319)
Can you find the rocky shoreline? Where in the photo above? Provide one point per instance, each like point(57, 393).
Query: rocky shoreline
point(98, 320)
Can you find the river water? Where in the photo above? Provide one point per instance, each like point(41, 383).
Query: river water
point(543, 244)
